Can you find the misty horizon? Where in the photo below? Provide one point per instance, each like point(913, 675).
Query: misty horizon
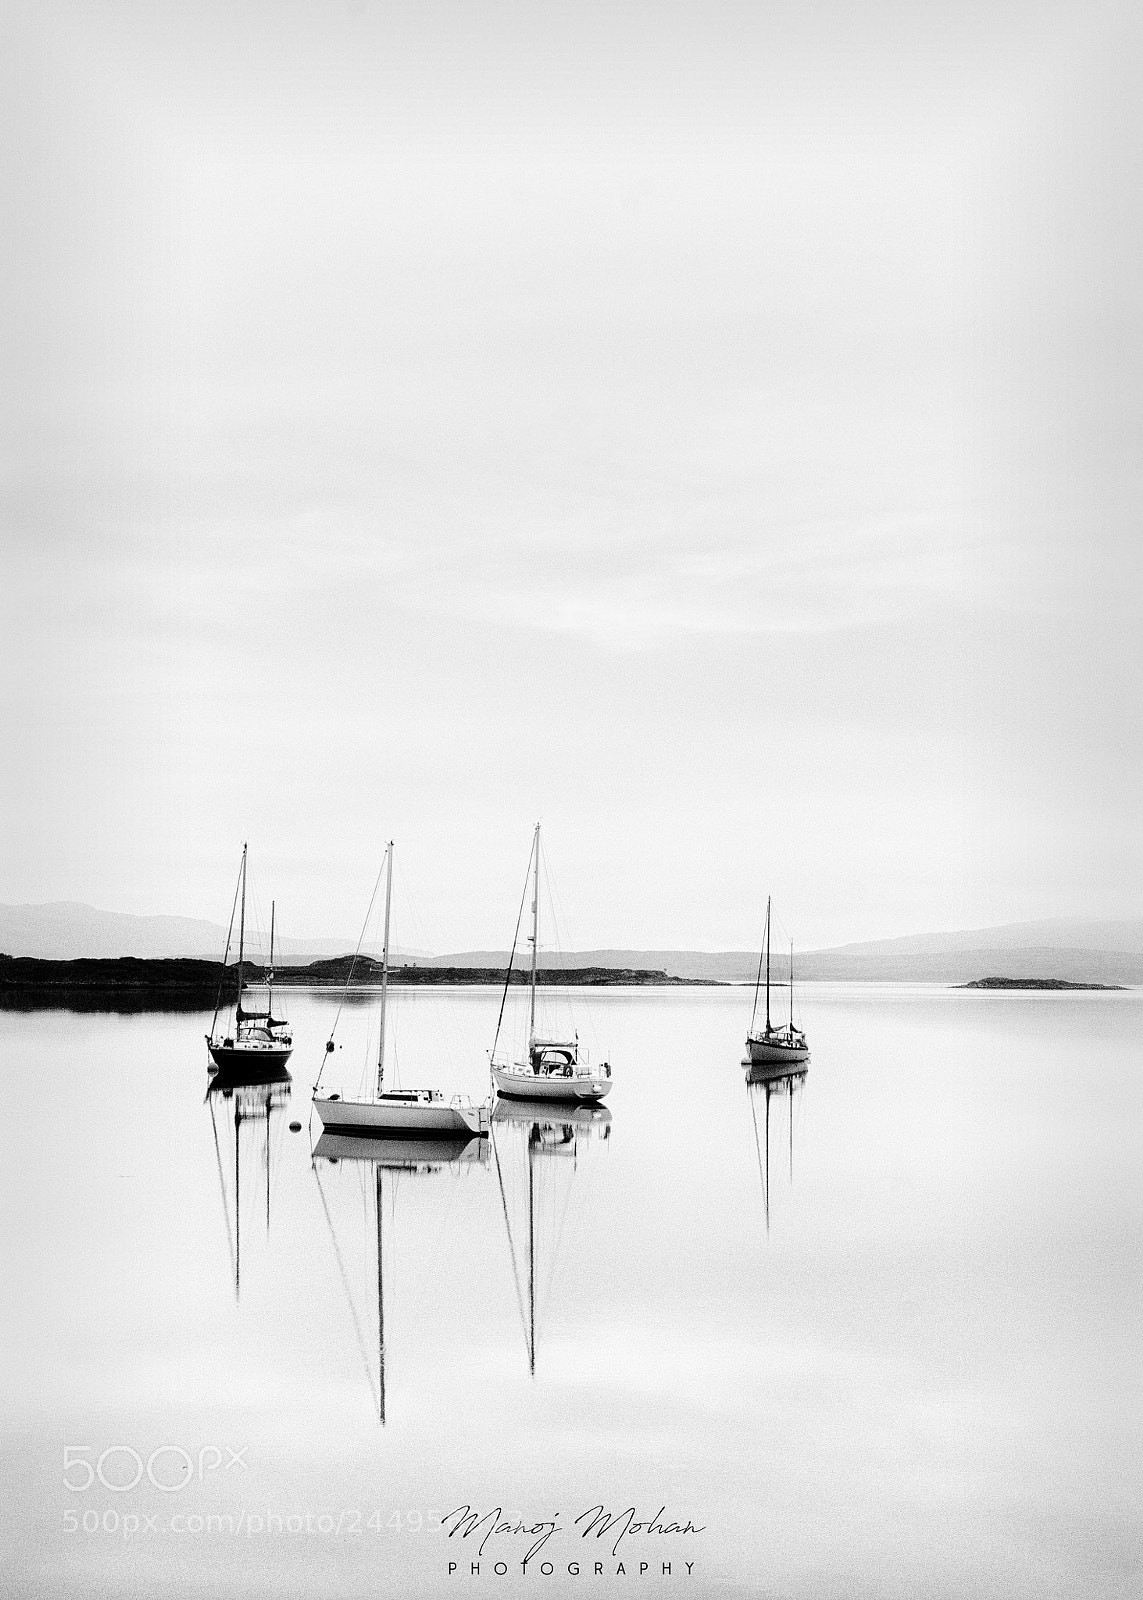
point(24, 932)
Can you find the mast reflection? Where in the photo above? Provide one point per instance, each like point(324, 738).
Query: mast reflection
point(253, 1101)
point(538, 1148)
point(371, 1159)
point(763, 1084)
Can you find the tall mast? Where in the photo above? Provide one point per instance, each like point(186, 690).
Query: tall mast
point(385, 972)
point(270, 980)
point(535, 933)
point(242, 928)
point(767, 963)
point(791, 986)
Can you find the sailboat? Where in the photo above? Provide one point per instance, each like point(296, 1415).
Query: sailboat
point(554, 1068)
point(411, 1156)
point(555, 1140)
point(259, 1038)
point(776, 1045)
point(396, 1112)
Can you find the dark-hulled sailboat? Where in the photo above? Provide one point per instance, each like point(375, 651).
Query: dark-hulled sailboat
point(259, 1041)
point(772, 1045)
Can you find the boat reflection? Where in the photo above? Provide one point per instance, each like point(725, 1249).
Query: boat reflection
point(254, 1101)
point(366, 1161)
point(539, 1149)
point(763, 1084)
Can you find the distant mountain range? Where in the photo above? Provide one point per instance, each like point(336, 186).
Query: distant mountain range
point(1075, 949)
point(65, 930)
point(1062, 951)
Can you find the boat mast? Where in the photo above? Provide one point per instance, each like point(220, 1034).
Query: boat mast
point(270, 979)
point(384, 977)
point(767, 963)
point(791, 987)
point(242, 930)
point(535, 934)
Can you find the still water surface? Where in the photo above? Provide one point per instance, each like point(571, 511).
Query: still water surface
point(876, 1332)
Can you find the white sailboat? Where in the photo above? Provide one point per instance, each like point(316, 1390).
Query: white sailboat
point(259, 1040)
point(554, 1068)
point(771, 1044)
point(409, 1113)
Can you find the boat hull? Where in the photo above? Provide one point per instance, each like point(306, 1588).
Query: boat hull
point(250, 1056)
point(775, 1051)
point(517, 1083)
point(397, 1119)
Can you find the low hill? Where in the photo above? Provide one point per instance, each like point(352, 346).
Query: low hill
point(125, 984)
point(67, 930)
point(885, 960)
point(368, 971)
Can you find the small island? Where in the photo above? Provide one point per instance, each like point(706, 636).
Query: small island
point(367, 971)
point(1034, 983)
point(125, 983)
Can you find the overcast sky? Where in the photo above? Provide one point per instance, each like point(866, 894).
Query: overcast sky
point(713, 429)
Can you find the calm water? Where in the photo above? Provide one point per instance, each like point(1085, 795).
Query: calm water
point(877, 1334)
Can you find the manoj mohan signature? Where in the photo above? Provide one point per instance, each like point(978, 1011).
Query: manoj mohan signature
point(613, 1527)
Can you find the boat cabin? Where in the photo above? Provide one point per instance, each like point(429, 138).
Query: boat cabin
point(554, 1057)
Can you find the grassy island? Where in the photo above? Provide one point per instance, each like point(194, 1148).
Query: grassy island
point(368, 972)
point(1034, 983)
point(125, 983)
